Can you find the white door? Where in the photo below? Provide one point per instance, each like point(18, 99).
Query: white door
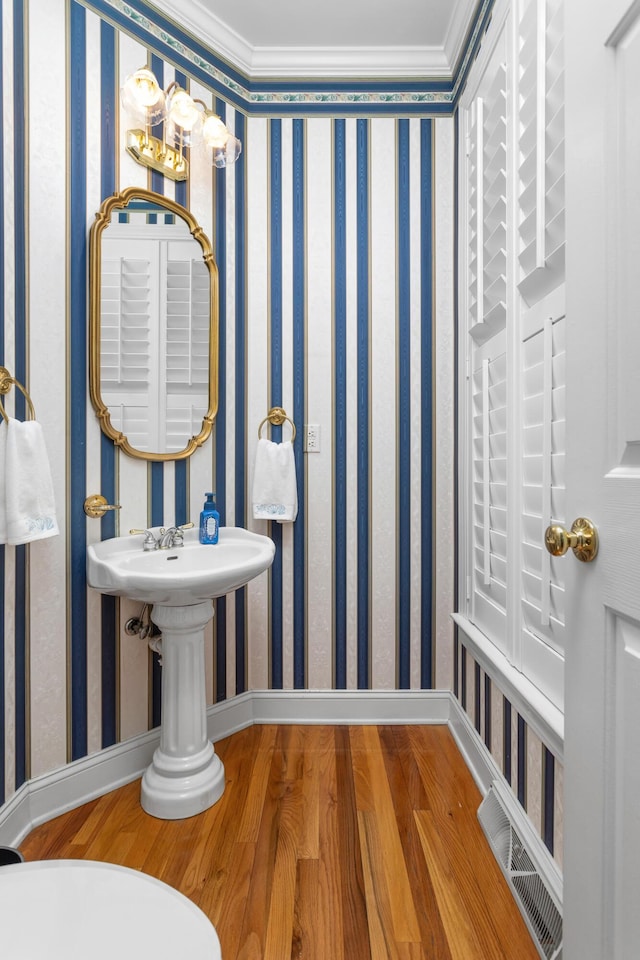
point(602, 745)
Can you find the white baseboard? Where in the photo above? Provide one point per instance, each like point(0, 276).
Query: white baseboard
point(351, 706)
point(477, 757)
point(50, 795)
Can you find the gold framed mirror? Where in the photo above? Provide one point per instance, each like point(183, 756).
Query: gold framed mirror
point(153, 326)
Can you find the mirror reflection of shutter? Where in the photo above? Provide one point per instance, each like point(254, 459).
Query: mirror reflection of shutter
point(125, 341)
point(186, 354)
point(540, 195)
point(486, 191)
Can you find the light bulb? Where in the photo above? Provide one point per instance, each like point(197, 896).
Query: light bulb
point(146, 87)
point(214, 132)
point(183, 112)
point(142, 96)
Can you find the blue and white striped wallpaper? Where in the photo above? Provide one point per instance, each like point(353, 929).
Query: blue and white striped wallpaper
point(334, 240)
point(325, 235)
point(535, 776)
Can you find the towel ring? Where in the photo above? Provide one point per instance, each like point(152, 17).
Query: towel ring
point(6, 382)
point(277, 417)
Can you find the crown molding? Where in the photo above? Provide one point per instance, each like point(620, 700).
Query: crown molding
point(354, 62)
point(196, 19)
point(264, 62)
point(455, 42)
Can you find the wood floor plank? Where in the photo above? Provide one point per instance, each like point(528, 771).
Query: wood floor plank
point(301, 856)
point(332, 917)
point(385, 830)
point(318, 741)
point(260, 768)
point(347, 851)
point(364, 797)
point(254, 928)
point(479, 875)
point(306, 936)
point(227, 913)
point(379, 914)
point(279, 935)
point(98, 816)
point(207, 870)
point(463, 941)
point(408, 796)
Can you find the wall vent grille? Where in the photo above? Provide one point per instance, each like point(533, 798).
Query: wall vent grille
point(528, 867)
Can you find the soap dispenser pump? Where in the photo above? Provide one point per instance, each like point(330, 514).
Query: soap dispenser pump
point(209, 521)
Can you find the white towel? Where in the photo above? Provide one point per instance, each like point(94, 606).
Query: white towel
point(30, 505)
point(275, 492)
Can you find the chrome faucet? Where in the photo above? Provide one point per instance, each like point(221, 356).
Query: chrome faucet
point(166, 539)
point(173, 537)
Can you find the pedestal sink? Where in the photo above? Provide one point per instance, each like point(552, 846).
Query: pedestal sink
point(186, 776)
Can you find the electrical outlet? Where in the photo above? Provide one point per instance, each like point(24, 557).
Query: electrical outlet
point(312, 437)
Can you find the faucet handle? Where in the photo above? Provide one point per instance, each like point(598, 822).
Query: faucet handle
point(178, 534)
point(150, 542)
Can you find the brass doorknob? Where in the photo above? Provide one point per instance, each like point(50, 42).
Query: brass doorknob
point(583, 540)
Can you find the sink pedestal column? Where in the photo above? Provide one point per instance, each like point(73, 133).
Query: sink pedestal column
point(186, 776)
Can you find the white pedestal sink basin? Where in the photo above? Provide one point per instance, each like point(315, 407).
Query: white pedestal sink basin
point(186, 776)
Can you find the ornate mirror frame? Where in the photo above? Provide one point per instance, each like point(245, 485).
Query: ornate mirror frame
point(102, 220)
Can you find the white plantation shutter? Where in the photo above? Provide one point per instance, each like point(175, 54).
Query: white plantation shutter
point(541, 231)
point(487, 190)
point(486, 297)
point(543, 451)
point(489, 512)
point(512, 312)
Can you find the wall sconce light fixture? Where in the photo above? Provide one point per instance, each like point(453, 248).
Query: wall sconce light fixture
point(186, 122)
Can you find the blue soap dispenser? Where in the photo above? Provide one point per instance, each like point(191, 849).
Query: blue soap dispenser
point(209, 521)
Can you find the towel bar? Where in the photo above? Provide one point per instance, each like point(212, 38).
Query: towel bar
point(277, 417)
point(6, 382)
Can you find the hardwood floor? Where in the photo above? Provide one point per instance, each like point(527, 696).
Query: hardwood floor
point(329, 843)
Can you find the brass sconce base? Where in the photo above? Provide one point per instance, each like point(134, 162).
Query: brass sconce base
point(151, 152)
